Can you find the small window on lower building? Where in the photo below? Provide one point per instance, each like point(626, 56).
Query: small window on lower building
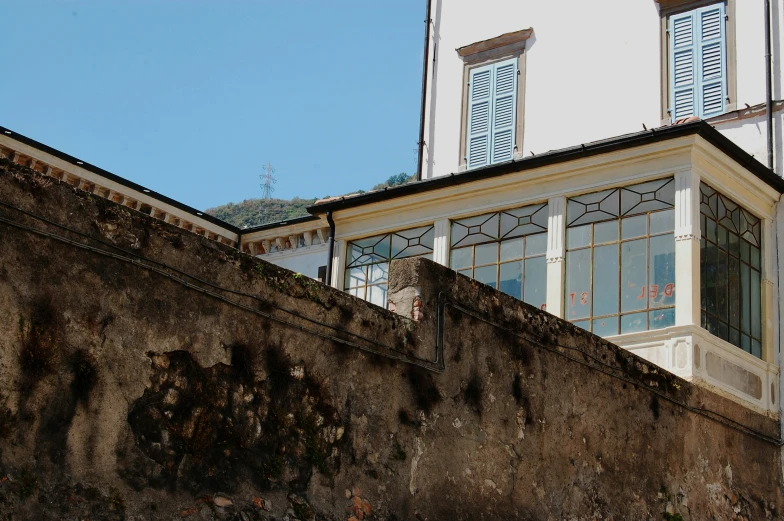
point(322, 274)
point(620, 259)
point(367, 264)
point(505, 250)
point(730, 271)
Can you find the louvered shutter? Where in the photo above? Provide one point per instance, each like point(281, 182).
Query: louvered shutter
point(698, 58)
point(503, 116)
point(480, 95)
point(683, 58)
point(712, 73)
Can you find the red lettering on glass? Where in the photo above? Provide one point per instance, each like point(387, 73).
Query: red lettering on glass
point(571, 296)
point(669, 289)
point(584, 298)
point(642, 294)
point(654, 291)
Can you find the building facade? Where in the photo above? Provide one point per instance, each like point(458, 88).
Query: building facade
point(608, 166)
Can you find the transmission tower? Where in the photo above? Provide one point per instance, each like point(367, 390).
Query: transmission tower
point(267, 181)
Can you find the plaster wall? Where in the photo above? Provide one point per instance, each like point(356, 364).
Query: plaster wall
point(305, 260)
point(592, 70)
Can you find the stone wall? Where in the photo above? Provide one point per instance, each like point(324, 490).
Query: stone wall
point(147, 373)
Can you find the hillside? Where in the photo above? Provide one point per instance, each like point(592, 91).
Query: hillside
point(255, 212)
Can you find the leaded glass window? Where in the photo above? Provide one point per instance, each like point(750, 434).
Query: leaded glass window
point(367, 263)
point(505, 250)
point(620, 259)
point(730, 271)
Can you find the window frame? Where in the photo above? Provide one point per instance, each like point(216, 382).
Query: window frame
point(667, 8)
point(480, 54)
point(498, 240)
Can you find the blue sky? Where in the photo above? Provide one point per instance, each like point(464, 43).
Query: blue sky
point(191, 97)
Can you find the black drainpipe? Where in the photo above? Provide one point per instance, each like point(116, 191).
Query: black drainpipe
point(768, 82)
point(421, 144)
point(331, 243)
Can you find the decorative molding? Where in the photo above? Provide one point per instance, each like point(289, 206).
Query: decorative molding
point(554, 260)
point(687, 237)
point(505, 40)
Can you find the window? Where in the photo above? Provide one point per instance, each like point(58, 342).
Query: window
point(367, 264)
point(620, 259)
point(492, 113)
point(730, 271)
point(505, 250)
point(700, 71)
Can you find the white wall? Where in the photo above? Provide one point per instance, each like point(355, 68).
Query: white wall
point(302, 260)
point(593, 69)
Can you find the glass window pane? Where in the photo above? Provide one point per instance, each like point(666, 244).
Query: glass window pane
point(661, 318)
point(461, 258)
point(756, 348)
point(578, 237)
point(536, 244)
point(604, 327)
point(605, 232)
point(745, 254)
point(511, 279)
point(662, 222)
point(661, 291)
point(356, 277)
point(634, 278)
point(605, 280)
point(745, 310)
point(357, 292)
point(633, 323)
point(734, 298)
point(756, 316)
point(578, 284)
point(535, 282)
point(378, 295)
point(467, 272)
point(379, 273)
point(584, 324)
point(710, 230)
point(511, 249)
point(711, 254)
point(486, 275)
point(734, 246)
point(486, 254)
point(636, 226)
point(721, 237)
point(755, 257)
point(722, 278)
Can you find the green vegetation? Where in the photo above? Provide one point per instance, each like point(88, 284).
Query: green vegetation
point(255, 212)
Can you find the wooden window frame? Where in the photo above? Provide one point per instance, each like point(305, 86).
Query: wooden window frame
point(486, 52)
point(668, 8)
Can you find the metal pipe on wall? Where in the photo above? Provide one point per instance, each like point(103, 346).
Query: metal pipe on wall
point(768, 85)
point(331, 247)
point(421, 144)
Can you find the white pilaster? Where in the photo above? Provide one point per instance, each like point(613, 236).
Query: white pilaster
point(687, 248)
point(556, 253)
point(441, 242)
point(338, 263)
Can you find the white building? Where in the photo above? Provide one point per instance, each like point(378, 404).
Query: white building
point(604, 161)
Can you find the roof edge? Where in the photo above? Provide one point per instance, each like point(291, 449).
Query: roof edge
point(120, 180)
point(564, 155)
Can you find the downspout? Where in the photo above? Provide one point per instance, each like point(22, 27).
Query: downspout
point(421, 144)
point(331, 246)
point(768, 85)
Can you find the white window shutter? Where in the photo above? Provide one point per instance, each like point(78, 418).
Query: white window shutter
point(504, 110)
point(683, 61)
point(712, 58)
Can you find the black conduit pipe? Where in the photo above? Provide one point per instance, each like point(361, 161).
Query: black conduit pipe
point(331, 247)
point(421, 144)
point(768, 85)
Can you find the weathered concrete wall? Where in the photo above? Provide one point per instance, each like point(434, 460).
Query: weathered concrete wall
point(148, 373)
